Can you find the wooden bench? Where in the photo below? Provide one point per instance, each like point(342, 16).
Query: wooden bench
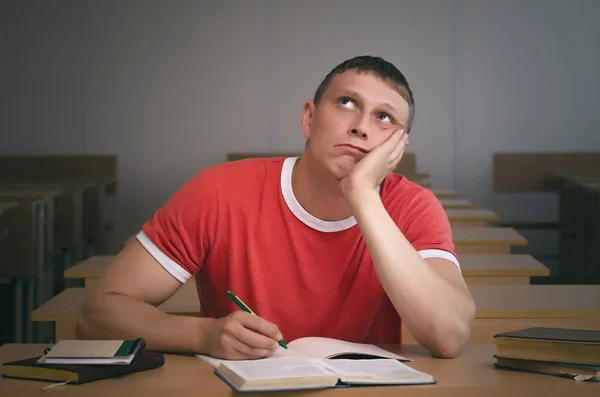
point(456, 203)
point(471, 217)
point(495, 306)
point(486, 240)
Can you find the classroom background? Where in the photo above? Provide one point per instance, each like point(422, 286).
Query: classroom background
point(108, 107)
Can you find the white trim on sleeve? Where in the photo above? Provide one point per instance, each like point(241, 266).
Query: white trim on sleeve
point(433, 253)
point(169, 264)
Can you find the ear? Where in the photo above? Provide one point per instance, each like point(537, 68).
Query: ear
point(308, 112)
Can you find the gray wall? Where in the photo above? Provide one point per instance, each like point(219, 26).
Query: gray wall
point(172, 86)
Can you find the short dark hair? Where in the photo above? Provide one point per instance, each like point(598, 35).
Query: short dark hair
point(382, 69)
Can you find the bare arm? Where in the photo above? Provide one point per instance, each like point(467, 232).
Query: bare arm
point(123, 305)
point(430, 295)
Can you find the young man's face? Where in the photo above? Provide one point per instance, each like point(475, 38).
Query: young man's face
point(357, 113)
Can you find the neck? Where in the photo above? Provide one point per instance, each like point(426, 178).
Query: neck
point(317, 191)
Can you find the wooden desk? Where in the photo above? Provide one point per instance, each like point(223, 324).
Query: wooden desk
point(444, 193)
point(89, 269)
point(500, 269)
point(492, 301)
point(62, 309)
point(472, 373)
point(34, 274)
point(470, 217)
point(512, 307)
point(455, 203)
point(476, 269)
point(579, 209)
point(485, 240)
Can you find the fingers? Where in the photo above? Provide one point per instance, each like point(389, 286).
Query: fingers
point(259, 325)
point(235, 349)
point(249, 336)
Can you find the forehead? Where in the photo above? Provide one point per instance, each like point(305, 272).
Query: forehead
point(370, 87)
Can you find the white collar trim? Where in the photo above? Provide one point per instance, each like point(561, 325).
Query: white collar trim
point(300, 212)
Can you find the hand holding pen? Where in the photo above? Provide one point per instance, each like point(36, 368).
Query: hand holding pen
point(242, 335)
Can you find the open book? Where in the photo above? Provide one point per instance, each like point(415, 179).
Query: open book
point(316, 362)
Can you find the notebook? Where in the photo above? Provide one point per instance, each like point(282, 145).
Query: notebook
point(317, 362)
point(93, 352)
point(79, 374)
point(288, 373)
point(574, 346)
point(564, 370)
point(321, 348)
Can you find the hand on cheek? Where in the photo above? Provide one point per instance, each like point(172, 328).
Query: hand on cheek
point(370, 171)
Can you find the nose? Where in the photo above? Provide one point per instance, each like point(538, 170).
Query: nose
point(359, 132)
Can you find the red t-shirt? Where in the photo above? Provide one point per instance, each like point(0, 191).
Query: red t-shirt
point(237, 226)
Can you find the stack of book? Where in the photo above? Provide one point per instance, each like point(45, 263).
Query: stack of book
point(570, 353)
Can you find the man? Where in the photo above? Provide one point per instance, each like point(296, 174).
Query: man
point(331, 244)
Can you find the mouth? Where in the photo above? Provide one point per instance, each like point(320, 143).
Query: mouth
point(365, 151)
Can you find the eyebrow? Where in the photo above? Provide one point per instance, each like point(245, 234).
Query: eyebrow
point(385, 105)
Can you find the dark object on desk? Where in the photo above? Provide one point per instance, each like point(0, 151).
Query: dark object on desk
point(563, 345)
point(79, 374)
point(572, 371)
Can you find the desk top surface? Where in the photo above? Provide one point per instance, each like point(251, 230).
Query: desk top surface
point(444, 193)
point(492, 301)
point(471, 213)
point(470, 374)
point(487, 236)
point(30, 191)
point(501, 265)
point(455, 202)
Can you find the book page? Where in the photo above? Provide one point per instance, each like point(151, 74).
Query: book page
point(383, 370)
point(85, 348)
point(317, 347)
point(277, 368)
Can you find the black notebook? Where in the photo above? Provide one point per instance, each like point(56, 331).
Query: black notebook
point(564, 345)
point(80, 373)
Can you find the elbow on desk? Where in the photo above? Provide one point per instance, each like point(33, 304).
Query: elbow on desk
point(447, 342)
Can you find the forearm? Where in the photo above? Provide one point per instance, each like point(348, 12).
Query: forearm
point(115, 316)
point(437, 313)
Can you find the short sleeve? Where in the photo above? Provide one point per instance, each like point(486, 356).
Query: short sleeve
point(428, 229)
point(179, 234)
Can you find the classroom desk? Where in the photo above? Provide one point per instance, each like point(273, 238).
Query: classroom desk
point(40, 202)
point(492, 301)
point(472, 373)
point(444, 193)
point(471, 217)
point(485, 240)
point(500, 269)
point(579, 208)
point(476, 269)
point(455, 203)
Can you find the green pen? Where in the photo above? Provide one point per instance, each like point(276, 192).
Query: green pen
point(245, 308)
